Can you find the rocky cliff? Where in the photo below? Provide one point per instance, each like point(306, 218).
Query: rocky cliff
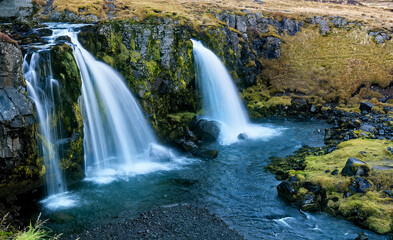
point(20, 169)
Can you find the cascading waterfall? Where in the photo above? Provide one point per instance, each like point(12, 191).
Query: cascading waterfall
point(43, 90)
point(220, 98)
point(118, 139)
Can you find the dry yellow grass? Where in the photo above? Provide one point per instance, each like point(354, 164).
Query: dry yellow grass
point(199, 9)
point(333, 67)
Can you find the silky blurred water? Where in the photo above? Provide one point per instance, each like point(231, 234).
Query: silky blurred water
point(234, 186)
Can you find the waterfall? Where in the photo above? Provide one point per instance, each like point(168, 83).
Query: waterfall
point(220, 98)
point(118, 139)
point(43, 90)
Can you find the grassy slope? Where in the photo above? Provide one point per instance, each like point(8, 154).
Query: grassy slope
point(196, 9)
point(331, 68)
point(375, 207)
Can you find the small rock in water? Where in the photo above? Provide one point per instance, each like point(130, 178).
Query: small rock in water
point(361, 236)
point(207, 130)
point(286, 190)
point(189, 146)
point(206, 154)
point(159, 153)
point(309, 203)
point(242, 136)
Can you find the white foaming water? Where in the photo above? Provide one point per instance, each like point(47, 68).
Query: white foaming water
point(60, 201)
point(43, 89)
point(220, 98)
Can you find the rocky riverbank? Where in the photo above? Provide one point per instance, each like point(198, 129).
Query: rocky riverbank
point(350, 176)
point(171, 222)
point(286, 63)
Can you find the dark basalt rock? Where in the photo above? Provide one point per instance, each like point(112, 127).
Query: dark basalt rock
point(339, 22)
point(361, 236)
point(207, 130)
point(189, 146)
point(205, 154)
point(286, 190)
point(19, 168)
point(242, 136)
point(273, 48)
point(359, 185)
point(366, 106)
point(368, 128)
point(309, 203)
point(355, 167)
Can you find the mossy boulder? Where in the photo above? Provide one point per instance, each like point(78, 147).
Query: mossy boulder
point(355, 167)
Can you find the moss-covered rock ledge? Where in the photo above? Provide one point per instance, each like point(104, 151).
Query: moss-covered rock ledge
point(351, 180)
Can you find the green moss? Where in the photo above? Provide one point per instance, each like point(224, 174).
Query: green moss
point(372, 209)
point(68, 113)
point(109, 60)
point(184, 117)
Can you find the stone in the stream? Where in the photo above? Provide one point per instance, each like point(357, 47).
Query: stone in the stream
point(207, 130)
point(361, 236)
point(355, 167)
point(242, 136)
point(206, 154)
point(189, 146)
point(308, 203)
point(286, 190)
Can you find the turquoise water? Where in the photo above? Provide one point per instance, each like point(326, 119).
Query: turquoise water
point(234, 186)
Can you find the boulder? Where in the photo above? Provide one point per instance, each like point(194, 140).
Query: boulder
point(188, 146)
point(242, 136)
point(207, 130)
point(309, 203)
point(286, 190)
point(159, 153)
point(366, 106)
point(355, 167)
point(205, 154)
point(367, 128)
point(359, 185)
point(361, 236)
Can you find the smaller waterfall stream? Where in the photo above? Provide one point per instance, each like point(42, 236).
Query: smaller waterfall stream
point(43, 89)
point(220, 98)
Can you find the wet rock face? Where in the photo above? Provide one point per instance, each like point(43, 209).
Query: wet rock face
point(11, 63)
point(207, 130)
point(17, 141)
point(155, 58)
